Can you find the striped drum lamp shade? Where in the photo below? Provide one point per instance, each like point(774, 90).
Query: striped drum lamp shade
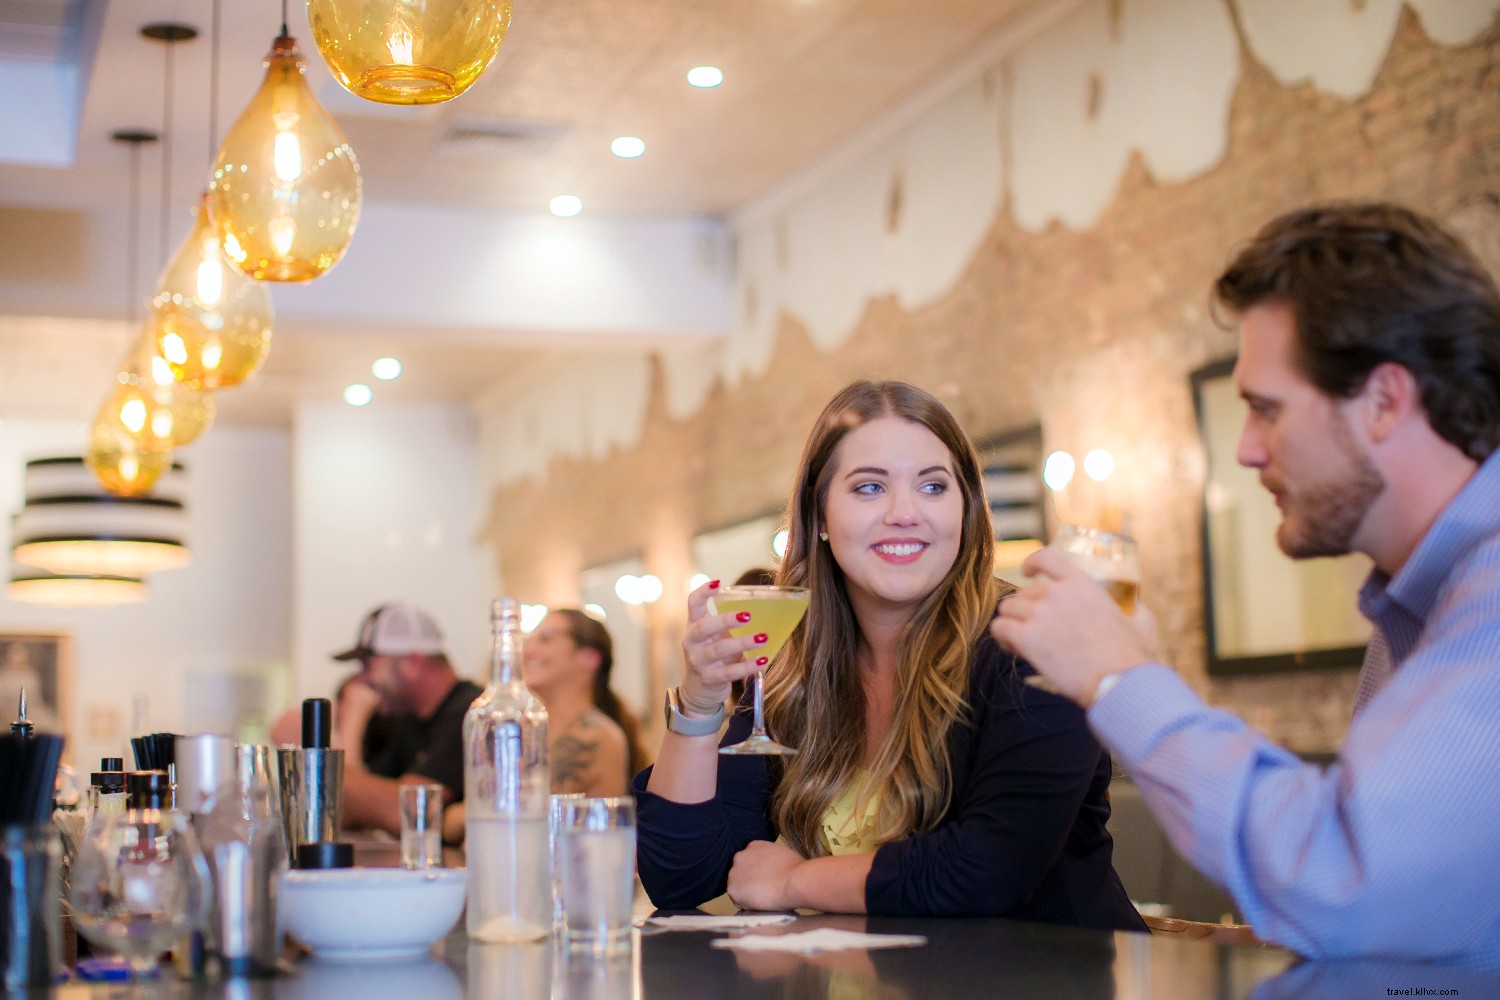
point(75, 543)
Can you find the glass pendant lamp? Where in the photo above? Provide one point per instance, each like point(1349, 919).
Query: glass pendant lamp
point(408, 51)
point(149, 407)
point(121, 467)
point(284, 195)
point(210, 323)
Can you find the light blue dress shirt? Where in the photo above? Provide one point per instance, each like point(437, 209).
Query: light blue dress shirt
point(1394, 850)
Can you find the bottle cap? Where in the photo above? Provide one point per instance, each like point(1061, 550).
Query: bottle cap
point(111, 775)
point(325, 854)
point(317, 723)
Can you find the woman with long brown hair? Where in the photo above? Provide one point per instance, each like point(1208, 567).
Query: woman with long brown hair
point(930, 780)
point(593, 744)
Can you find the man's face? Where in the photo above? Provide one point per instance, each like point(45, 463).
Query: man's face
point(382, 674)
point(1302, 442)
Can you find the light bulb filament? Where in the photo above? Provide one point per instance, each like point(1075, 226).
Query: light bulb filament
point(399, 40)
point(133, 415)
point(287, 157)
point(283, 231)
point(161, 372)
point(173, 349)
point(210, 278)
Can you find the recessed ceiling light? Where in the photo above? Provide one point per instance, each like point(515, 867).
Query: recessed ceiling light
point(565, 206)
point(627, 147)
point(705, 76)
point(386, 369)
point(358, 394)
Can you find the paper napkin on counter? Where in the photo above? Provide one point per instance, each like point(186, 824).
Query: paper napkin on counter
point(823, 939)
point(707, 922)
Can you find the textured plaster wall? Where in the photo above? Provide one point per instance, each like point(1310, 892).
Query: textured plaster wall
point(1037, 246)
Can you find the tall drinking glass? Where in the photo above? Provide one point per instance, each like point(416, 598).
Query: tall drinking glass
point(1110, 558)
point(776, 612)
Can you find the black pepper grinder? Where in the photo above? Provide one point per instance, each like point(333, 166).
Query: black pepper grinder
point(312, 787)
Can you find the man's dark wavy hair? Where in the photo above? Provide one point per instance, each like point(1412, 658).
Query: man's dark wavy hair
point(1375, 282)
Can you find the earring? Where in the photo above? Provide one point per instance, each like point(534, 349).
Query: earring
point(823, 535)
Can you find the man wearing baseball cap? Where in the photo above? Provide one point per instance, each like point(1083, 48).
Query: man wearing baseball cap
point(403, 672)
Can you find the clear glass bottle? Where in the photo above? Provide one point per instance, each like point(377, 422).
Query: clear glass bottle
point(506, 789)
point(139, 880)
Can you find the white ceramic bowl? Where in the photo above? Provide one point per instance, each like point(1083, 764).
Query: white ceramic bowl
point(347, 914)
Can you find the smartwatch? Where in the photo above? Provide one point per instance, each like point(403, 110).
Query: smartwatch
point(686, 726)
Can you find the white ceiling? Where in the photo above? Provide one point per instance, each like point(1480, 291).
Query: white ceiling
point(803, 77)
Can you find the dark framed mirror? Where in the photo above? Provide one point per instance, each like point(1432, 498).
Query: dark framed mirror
point(1263, 611)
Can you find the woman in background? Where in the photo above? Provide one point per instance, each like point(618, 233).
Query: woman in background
point(592, 739)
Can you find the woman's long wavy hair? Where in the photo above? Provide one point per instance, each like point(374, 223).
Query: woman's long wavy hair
point(815, 700)
point(590, 633)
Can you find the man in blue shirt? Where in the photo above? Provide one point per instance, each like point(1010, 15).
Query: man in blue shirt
point(1370, 363)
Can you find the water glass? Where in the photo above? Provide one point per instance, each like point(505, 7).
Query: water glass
point(554, 818)
point(596, 872)
point(421, 825)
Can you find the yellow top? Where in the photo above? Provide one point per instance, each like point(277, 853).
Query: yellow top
point(845, 833)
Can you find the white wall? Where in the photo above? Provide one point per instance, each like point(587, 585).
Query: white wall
point(229, 611)
point(386, 508)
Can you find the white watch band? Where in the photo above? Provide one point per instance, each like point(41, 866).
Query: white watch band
point(686, 726)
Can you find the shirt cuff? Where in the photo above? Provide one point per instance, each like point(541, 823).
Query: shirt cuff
point(1145, 701)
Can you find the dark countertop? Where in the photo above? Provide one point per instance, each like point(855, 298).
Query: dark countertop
point(962, 959)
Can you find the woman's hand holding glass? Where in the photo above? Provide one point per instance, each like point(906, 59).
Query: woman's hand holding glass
point(714, 658)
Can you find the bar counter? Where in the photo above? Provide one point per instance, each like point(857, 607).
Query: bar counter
point(962, 959)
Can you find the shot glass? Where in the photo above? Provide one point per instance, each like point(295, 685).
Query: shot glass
point(596, 872)
point(421, 825)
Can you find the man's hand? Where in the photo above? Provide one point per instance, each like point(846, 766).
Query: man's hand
point(760, 877)
point(356, 707)
point(1068, 628)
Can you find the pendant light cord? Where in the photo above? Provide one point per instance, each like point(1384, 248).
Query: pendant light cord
point(284, 32)
point(133, 234)
point(166, 150)
point(213, 88)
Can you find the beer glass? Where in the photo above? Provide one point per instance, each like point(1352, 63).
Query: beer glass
point(1110, 558)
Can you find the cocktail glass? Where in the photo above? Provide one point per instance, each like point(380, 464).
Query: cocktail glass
point(776, 612)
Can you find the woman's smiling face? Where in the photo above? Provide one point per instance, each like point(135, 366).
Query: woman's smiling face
point(894, 513)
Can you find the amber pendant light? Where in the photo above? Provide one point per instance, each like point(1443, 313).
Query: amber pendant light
point(150, 407)
point(285, 191)
point(210, 322)
point(122, 468)
point(408, 51)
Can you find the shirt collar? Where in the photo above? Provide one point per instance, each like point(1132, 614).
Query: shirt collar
point(1470, 517)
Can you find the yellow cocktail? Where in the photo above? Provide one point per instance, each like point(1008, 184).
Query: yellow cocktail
point(776, 612)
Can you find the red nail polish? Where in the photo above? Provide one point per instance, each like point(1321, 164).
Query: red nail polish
point(713, 585)
point(760, 638)
point(743, 616)
point(761, 661)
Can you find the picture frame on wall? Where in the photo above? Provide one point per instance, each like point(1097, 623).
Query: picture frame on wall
point(1011, 463)
point(40, 662)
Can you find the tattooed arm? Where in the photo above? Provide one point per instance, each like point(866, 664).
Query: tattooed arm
point(588, 756)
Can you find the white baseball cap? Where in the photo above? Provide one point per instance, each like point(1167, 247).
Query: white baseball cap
point(395, 630)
